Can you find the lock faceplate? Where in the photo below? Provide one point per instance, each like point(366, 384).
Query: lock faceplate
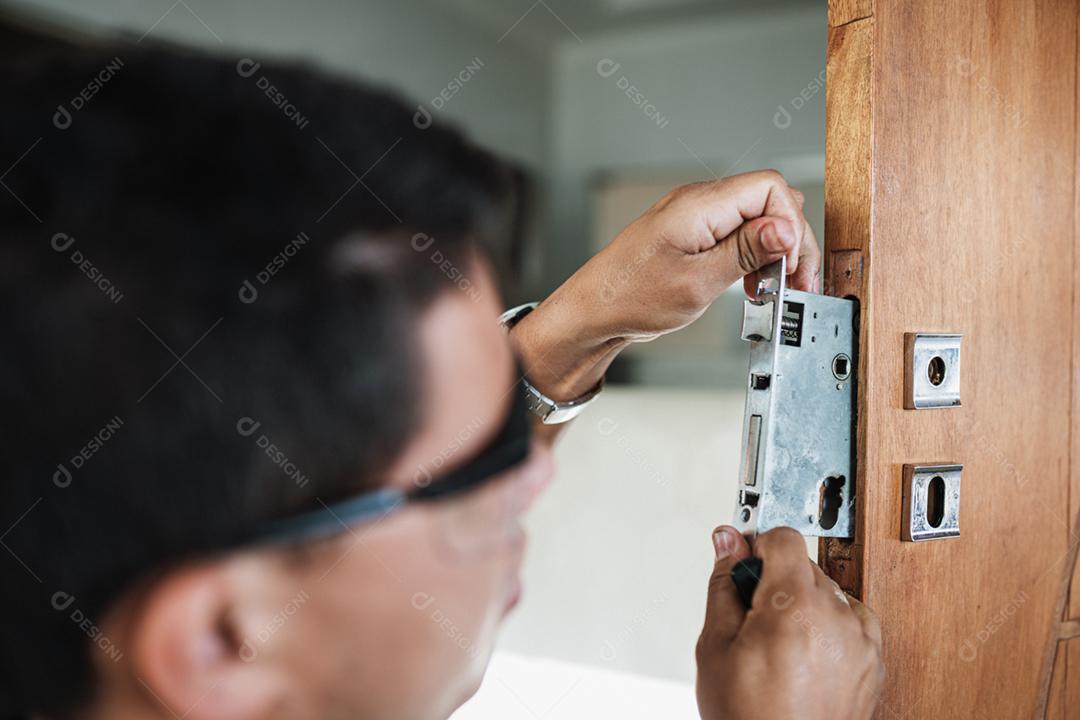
point(797, 466)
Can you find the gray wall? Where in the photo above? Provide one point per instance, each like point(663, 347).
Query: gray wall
point(715, 83)
point(727, 93)
point(415, 46)
point(718, 84)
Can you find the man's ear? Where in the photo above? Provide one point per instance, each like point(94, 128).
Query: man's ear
point(189, 649)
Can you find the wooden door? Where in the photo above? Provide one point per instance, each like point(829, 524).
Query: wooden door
point(951, 206)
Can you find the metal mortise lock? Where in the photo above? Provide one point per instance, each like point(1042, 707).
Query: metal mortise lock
point(797, 466)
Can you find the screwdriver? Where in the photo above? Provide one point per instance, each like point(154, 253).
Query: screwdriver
point(745, 575)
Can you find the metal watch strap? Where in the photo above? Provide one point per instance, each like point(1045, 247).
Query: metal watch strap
point(551, 412)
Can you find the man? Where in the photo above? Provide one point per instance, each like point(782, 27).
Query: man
point(260, 418)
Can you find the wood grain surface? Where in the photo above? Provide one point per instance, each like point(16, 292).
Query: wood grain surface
point(951, 170)
point(848, 181)
point(1071, 651)
point(842, 12)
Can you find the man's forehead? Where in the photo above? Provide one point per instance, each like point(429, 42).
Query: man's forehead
point(469, 376)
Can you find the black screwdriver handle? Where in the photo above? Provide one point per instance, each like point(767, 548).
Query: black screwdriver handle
point(745, 575)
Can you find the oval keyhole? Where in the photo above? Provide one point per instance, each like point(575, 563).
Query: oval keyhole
point(829, 501)
point(935, 501)
point(935, 371)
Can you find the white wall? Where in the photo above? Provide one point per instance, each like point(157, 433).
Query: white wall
point(620, 545)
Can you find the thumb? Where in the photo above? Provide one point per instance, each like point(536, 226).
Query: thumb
point(750, 247)
point(724, 612)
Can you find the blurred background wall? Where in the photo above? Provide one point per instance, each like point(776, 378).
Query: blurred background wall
point(608, 104)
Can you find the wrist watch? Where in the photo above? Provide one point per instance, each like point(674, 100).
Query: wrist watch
point(550, 412)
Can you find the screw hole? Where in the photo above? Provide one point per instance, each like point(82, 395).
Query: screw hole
point(935, 371)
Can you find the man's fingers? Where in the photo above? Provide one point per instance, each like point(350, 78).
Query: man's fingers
point(786, 566)
point(750, 283)
point(734, 200)
point(738, 198)
point(870, 623)
point(782, 202)
point(734, 205)
point(724, 612)
point(805, 276)
point(753, 245)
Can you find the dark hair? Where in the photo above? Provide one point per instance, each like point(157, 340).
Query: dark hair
point(210, 272)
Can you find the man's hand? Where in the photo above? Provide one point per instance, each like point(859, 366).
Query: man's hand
point(803, 650)
point(669, 265)
point(662, 272)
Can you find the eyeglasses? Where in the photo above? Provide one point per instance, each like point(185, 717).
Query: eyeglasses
point(509, 448)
